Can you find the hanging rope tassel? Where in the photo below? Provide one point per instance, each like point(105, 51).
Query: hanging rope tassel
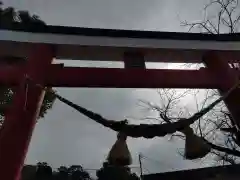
point(195, 146)
point(119, 154)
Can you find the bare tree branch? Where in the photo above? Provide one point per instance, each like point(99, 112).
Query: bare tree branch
point(225, 157)
point(223, 149)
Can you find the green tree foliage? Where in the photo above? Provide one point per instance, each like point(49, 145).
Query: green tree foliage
point(9, 17)
point(45, 172)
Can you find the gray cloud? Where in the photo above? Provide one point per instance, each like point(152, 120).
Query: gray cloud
point(124, 14)
point(66, 137)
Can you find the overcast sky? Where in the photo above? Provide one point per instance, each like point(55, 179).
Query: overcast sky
point(65, 137)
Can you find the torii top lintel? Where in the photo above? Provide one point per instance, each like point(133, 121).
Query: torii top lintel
point(110, 44)
point(99, 44)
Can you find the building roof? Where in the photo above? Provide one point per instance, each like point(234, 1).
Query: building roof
point(196, 174)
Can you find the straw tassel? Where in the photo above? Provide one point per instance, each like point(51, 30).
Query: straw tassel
point(119, 154)
point(195, 147)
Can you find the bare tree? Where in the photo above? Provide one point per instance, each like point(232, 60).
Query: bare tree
point(221, 16)
point(209, 127)
point(217, 127)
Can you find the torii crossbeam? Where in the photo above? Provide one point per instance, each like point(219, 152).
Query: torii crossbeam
point(134, 48)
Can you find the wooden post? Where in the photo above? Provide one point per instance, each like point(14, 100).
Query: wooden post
point(140, 164)
point(228, 78)
point(134, 60)
point(21, 118)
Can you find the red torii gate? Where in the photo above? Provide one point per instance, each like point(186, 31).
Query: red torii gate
point(134, 48)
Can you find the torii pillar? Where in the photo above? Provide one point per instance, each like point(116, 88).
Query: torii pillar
point(220, 69)
point(20, 120)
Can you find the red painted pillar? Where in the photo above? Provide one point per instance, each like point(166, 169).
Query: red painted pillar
point(21, 118)
point(227, 77)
